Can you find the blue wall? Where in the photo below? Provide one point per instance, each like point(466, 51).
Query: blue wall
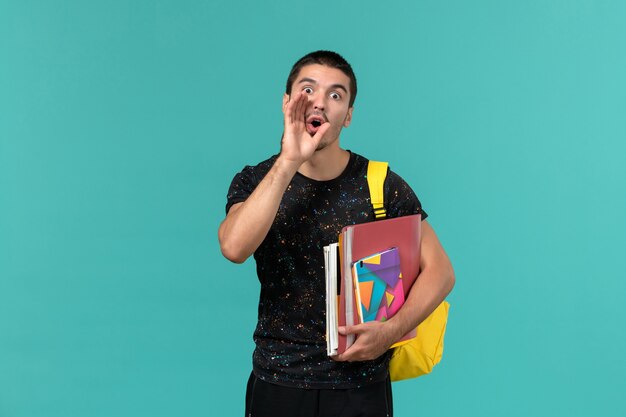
point(121, 126)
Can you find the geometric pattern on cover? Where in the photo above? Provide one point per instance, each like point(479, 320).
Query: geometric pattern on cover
point(380, 285)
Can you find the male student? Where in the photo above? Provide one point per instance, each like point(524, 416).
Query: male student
point(283, 211)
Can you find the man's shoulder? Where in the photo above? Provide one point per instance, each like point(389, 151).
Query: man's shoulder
point(358, 161)
point(259, 169)
point(265, 164)
point(358, 157)
point(363, 161)
point(393, 180)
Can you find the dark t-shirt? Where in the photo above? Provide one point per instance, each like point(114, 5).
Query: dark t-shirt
point(290, 334)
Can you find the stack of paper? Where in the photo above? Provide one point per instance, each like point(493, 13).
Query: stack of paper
point(332, 292)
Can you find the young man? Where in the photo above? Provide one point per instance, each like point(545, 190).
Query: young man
point(284, 211)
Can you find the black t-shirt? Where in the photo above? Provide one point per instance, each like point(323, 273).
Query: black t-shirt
point(290, 334)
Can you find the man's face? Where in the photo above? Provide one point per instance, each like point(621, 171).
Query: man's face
point(328, 90)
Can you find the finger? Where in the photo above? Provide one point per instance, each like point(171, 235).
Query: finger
point(345, 330)
point(305, 105)
point(321, 131)
point(294, 108)
point(291, 105)
point(355, 352)
point(301, 108)
point(289, 109)
point(343, 357)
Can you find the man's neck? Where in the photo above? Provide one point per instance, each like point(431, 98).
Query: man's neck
point(326, 164)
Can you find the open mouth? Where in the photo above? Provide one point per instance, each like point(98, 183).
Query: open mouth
point(313, 123)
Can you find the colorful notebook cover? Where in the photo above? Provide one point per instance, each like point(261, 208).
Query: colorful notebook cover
point(378, 286)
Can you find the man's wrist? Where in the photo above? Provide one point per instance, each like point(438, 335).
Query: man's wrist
point(286, 167)
point(394, 330)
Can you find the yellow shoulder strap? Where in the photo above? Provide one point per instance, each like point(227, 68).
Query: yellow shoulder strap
point(376, 173)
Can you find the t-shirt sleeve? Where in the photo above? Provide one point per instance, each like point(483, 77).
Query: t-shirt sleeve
point(401, 199)
point(242, 185)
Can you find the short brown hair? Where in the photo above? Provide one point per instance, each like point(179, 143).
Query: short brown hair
point(329, 59)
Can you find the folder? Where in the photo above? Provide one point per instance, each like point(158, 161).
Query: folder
point(360, 241)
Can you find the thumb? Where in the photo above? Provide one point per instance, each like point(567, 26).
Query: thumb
point(321, 131)
point(346, 330)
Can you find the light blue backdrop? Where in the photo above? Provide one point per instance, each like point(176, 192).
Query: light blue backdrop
point(122, 124)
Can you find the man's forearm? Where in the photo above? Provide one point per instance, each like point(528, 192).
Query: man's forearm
point(429, 290)
point(433, 284)
point(244, 228)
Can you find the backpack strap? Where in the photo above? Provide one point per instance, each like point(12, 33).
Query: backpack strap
point(376, 174)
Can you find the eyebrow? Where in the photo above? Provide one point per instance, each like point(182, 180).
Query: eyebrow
point(311, 80)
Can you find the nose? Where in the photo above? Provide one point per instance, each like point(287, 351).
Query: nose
point(317, 101)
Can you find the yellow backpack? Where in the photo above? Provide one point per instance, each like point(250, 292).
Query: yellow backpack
point(417, 356)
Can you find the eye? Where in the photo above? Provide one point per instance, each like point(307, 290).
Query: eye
point(335, 95)
point(307, 90)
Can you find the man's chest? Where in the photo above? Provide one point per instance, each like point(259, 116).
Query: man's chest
point(317, 214)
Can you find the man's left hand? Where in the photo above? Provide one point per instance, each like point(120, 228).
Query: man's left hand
point(372, 340)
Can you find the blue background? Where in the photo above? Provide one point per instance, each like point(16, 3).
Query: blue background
point(122, 124)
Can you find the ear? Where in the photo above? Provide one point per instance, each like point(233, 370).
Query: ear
point(285, 101)
point(348, 119)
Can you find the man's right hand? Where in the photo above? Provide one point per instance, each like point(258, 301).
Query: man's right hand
point(247, 223)
point(297, 144)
